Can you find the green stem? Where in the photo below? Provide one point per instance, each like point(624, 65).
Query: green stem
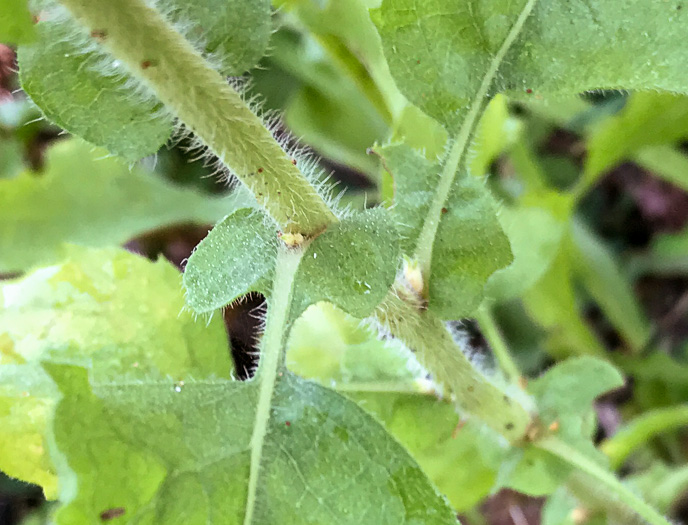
point(616, 491)
point(641, 430)
point(493, 335)
point(426, 239)
point(164, 61)
point(271, 361)
point(435, 348)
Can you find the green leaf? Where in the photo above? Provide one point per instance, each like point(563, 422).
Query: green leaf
point(666, 162)
point(319, 109)
point(414, 128)
point(534, 234)
point(470, 244)
point(553, 305)
point(237, 257)
point(496, 132)
point(558, 508)
point(640, 431)
point(120, 310)
point(648, 119)
point(532, 471)
point(569, 388)
point(85, 198)
point(333, 348)
point(76, 90)
point(16, 25)
point(593, 262)
point(352, 264)
point(84, 91)
point(564, 396)
point(439, 54)
point(469, 247)
point(344, 29)
point(170, 454)
point(660, 485)
point(234, 32)
point(27, 397)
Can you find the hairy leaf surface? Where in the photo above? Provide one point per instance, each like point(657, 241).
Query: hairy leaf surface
point(352, 264)
point(564, 396)
point(439, 54)
point(181, 455)
point(470, 244)
point(237, 257)
point(86, 92)
point(333, 348)
point(72, 84)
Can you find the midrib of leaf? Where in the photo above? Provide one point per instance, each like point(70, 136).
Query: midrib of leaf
point(427, 235)
point(271, 361)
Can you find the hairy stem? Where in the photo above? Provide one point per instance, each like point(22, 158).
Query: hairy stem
point(435, 348)
point(608, 488)
point(164, 61)
point(640, 430)
point(271, 360)
point(457, 152)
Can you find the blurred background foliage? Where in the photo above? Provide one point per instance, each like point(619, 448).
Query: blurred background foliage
point(594, 195)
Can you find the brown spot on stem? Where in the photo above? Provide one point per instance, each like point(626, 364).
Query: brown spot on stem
point(111, 514)
point(99, 34)
point(458, 427)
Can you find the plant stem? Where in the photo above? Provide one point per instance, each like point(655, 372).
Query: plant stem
point(271, 361)
point(164, 61)
point(616, 491)
point(641, 430)
point(452, 163)
point(499, 348)
point(427, 336)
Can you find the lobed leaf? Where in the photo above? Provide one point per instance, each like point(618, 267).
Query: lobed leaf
point(115, 308)
point(85, 198)
point(439, 54)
